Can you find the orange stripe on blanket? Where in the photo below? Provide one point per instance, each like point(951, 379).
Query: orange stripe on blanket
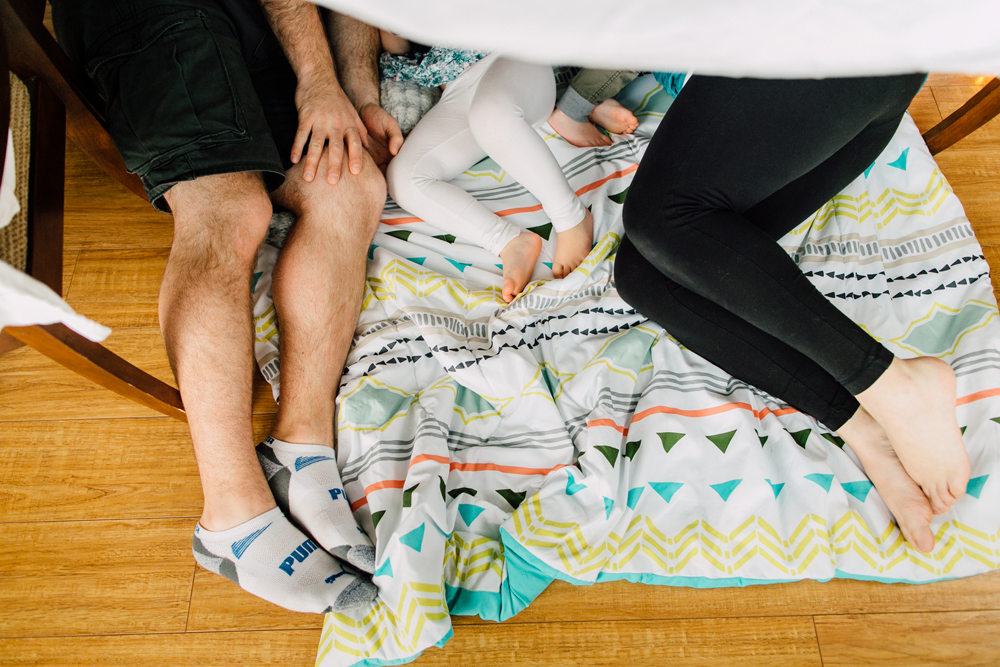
point(428, 457)
point(399, 221)
point(597, 184)
point(525, 209)
point(384, 484)
point(986, 393)
point(516, 470)
point(705, 412)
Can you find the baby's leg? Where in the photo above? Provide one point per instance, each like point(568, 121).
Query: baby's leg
point(512, 99)
point(438, 149)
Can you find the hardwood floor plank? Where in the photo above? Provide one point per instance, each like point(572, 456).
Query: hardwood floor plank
point(69, 267)
point(94, 577)
point(950, 98)
point(935, 80)
point(101, 469)
point(219, 604)
point(33, 387)
point(974, 173)
point(916, 640)
point(199, 649)
point(924, 110)
point(622, 600)
point(101, 213)
point(739, 641)
point(119, 288)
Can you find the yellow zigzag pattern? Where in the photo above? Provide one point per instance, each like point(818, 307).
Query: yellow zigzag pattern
point(265, 325)
point(418, 604)
point(887, 206)
point(729, 552)
point(465, 559)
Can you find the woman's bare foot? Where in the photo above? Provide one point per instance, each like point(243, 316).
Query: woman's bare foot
point(914, 401)
point(614, 118)
point(581, 135)
point(519, 257)
point(573, 246)
point(901, 494)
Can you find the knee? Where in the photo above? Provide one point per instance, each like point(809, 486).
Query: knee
point(406, 183)
point(220, 219)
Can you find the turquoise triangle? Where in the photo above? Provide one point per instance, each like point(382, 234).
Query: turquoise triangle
point(253, 281)
point(775, 488)
point(608, 504)
point(470, 512)
point(823, 480)
point(869, 169)
point(371, 251)
point(725, 489)
point(548, 264)
point(666, 489)
point(414, 539)
point(416, 260)
point(633, 496)
point(571, 485)
point(975, 486)
point(461, 266)
point(900, 162)
point(858, 489)
point(385, 570)
point(499, 266)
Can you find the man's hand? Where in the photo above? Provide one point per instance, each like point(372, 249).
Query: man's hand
point(327, 114)
point(384, 136)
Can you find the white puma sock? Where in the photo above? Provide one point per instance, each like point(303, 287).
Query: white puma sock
point(270, 558)
point(306, 485)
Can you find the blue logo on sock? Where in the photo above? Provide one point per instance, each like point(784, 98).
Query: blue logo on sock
point(337, 493)
point(300, 554)
point(333, 577)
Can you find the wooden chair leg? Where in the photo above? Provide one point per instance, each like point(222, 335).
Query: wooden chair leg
point(975, 113)
point(95, 362)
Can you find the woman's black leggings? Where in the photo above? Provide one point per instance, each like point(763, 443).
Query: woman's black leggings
point(735, 165)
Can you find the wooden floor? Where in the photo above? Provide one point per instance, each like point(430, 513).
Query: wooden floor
point(98, 498)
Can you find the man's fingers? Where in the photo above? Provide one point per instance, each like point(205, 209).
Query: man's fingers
point(313, 156)
point(394, 133)
point(354, 150)
point(301, 136)
point(336, 157)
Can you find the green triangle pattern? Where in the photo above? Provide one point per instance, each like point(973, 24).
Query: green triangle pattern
point(722, 440)
point(669, 440)
point(633, 496)
point(447, 238)
point(800, 437)
point(975, 486)
point(725, 489)
point(610, 453)
point(444, 488)
point(542, 230)
point(402, 234)
point(762, 438)
point(858, 489)
point(408, 494)
point(963, 429)
point(631, 448)
point(620, 197)
point(995, 419)
point(376, 517)
point(666, 489)
point(455, 493)
point(513, 498)
point(821, 480)
point(414, 539)
point(470, 513)
point(834, 439)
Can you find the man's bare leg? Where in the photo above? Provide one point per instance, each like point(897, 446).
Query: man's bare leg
point(219, 222)
point(318, 286)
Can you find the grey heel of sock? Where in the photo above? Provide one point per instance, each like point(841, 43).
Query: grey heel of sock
point(357, 594)
point(362, 557)
point(213, 563)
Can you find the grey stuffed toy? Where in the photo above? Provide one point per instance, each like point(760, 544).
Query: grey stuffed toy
point(407, 102)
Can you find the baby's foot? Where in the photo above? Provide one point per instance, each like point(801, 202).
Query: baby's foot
point(519, 257)
point(581, 135)
point(900, 493)
point(914, 401)
point(573, 246)
point(306, 485)
point(270, 558)
point(613, 117)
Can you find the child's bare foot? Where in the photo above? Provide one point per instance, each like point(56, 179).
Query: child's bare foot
point(581, 135)
point(573, 246)
point(901, 494)
point(914, 401)
point(519, 257)
point(614, 118)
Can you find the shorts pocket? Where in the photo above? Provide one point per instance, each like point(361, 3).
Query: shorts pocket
point(169, 87)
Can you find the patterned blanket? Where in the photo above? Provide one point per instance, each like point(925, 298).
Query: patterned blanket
point(489, 448)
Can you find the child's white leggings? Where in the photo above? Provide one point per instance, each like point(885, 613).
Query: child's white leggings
point(491, 109)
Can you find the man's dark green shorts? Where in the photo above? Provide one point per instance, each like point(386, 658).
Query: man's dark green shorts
point(192, 88)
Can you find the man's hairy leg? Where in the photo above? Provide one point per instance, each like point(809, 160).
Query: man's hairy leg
point(219, 222)
point(317, 287)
